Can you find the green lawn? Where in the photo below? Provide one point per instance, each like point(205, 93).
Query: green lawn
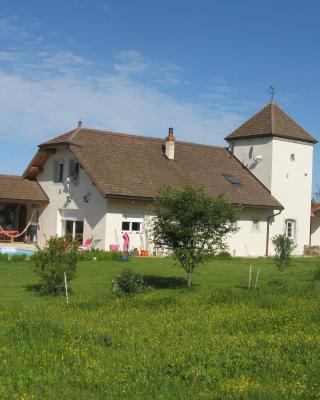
point(216, 341)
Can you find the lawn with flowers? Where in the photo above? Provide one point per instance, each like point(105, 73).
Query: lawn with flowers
point(216, 341)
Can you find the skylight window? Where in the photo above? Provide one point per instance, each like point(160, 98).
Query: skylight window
point(232, 179)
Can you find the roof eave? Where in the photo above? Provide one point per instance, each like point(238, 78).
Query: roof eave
point(149, 198)
point(270, 206)
point(271, 135)
point(128, 197)
point(55, 144)
point(15, 200)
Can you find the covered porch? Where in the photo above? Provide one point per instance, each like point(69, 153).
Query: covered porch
point(20, 203)
point(18, 219)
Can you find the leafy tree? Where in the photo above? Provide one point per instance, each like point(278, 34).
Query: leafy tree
point(59, 256)
point(191, 224)
point(283, 247)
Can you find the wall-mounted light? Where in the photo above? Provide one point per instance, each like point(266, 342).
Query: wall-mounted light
point(86, 197)
point(68, 199)
point(68, 183)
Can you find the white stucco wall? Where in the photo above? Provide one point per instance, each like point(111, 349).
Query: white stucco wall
point(246, 150)
point(250, 240)
point(93, 213)
point(290, 181)
point(292, 186)
point(119, 210)
point(245, 242)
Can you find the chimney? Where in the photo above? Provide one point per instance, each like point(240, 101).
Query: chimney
point(170, 144)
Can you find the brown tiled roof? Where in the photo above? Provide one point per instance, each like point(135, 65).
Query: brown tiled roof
point(15, 188)
point(62, 139)
point(136, 166)
point(271, 121)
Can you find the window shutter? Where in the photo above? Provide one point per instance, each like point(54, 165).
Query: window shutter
point(55, 172)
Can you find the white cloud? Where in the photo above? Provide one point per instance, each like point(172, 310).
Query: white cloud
point(130, 61)
point(45, 89)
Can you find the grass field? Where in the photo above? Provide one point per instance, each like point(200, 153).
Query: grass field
point(216, 341)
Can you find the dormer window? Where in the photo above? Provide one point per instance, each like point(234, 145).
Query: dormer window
point(58, 171)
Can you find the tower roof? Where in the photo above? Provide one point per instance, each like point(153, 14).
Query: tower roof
point(271, 121)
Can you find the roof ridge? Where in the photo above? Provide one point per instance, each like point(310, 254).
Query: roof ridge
point(155, 138)
point(272, 104)
point(73, 134)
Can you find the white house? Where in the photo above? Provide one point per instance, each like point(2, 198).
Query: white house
point(99, 183)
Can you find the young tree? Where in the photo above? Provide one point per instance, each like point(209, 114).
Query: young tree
point(191, 224)
point(58, 257)
point(283, 247)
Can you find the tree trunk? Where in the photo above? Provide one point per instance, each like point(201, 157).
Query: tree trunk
point(189, 279)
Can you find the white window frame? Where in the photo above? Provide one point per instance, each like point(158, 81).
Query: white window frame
point(130, 220)
point(290, 226)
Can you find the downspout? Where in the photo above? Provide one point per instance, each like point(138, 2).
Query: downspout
point(310, 231)
point(268, 229)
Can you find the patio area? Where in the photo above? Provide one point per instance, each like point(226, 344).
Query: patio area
point(21, 201)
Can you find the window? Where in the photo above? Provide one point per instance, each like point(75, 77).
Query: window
point(135, 226)
point(132, 225)
point(58, 171)
point(74, 168)
point(290, 228)
point(125, 226)
point(255, 225)
point(232, 179)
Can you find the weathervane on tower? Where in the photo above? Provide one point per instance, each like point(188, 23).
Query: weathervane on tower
point(272, 91)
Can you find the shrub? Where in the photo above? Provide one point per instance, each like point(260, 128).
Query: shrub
point(128, 282)
point(59, 256)
point(284, 247)
point(3, 257)
point(18, 257)
point(107, 256)
point(224, 254)
point(99, 255)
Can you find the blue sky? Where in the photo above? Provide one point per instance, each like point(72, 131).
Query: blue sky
point(141, 66)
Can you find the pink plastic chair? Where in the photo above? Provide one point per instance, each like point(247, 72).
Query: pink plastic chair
point(86, 246)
